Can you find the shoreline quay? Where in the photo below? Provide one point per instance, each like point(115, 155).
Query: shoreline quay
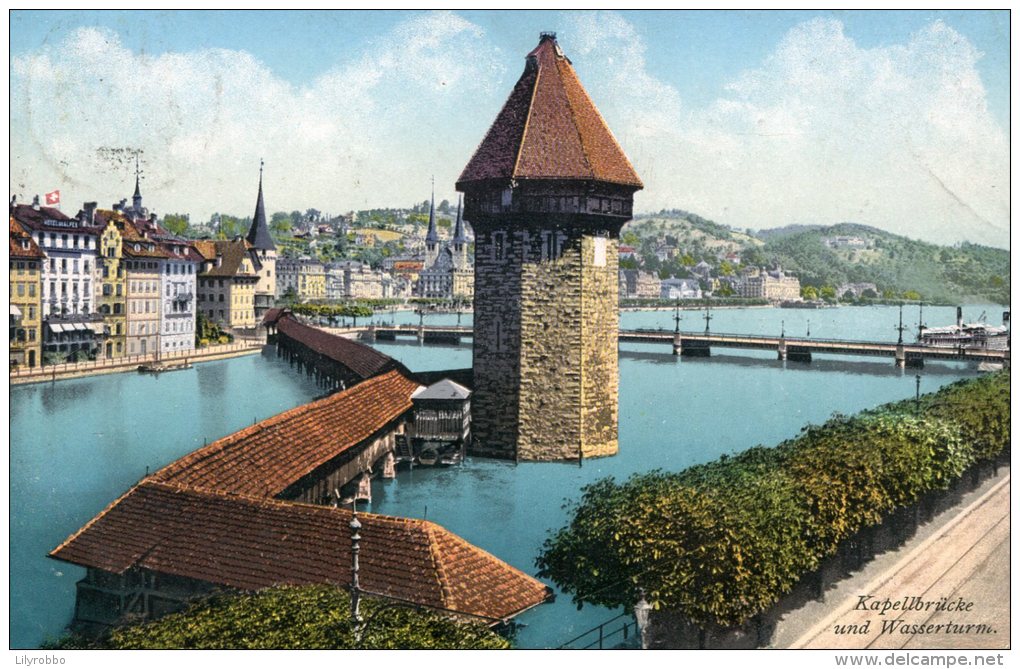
point(195, 356)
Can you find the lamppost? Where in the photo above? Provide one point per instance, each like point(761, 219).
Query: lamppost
point(809, 327)
point(676, 317)
point(642, 614)
point(917, 394)
point(355, 526)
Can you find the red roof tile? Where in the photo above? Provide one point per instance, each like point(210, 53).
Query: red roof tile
point(23, 247)
point(549, 129)
point(270, 456)
point(363, 360)
point(251, 543)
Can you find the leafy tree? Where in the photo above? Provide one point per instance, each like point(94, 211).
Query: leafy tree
point(912, 295)
point(280, 224)
point(444, 206)
point(869, 293)
point(827, 293)
point(726, 268)
point(849, 296)
point(809, 292)
point(176, 223)
point(287, 617)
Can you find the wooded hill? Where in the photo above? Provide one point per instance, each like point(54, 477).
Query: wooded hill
point(833, 255)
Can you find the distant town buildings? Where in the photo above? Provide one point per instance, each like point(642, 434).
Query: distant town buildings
point(843, 242)
point(639, 284)
point(448, 272)
point(772, 285)
point(680, 289)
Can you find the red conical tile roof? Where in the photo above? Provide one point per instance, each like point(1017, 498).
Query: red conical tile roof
point(549, 129)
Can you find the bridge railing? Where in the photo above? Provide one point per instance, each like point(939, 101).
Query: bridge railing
point(616, 630)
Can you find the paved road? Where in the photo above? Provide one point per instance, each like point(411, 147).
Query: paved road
point(965, 561)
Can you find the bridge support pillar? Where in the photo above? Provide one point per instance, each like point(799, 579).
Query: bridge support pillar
point(678, 345)
point(421, 335)
point(782, 349)
point(370, 334)
point(901, 357)
point(389, 468)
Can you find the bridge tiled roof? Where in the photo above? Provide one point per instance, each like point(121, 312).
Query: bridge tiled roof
point(270, 456)
point(251, 543)
point(362, 360)
point(549, 128)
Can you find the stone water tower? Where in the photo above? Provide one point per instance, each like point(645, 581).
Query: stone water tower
point(547, 192)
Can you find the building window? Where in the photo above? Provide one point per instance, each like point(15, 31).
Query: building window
point(31, 290)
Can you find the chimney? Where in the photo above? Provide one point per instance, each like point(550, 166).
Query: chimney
point(35, 203)
point(14, 202)
point(90, 212)
point(959, 317)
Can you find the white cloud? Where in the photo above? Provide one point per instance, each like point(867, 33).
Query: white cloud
point(822, 131)
point(370, 131)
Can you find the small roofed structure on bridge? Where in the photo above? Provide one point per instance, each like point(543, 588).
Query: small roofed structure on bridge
point(161, 545)
point(442, 423)
point(336, 361)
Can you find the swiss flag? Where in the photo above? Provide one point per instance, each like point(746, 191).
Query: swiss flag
point(53, 198)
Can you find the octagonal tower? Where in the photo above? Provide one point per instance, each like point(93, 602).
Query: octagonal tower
point(547, 192)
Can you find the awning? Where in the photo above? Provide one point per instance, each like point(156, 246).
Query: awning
point(95, 327)
point(15, 311)
point(79, 326)
point(56, 327)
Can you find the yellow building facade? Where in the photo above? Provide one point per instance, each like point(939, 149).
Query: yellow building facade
point(26, 260)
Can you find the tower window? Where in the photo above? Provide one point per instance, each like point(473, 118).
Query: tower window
point(499, 246)
point(600, 251)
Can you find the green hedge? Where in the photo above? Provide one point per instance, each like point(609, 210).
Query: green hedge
point(312, 617)
point(722, 542)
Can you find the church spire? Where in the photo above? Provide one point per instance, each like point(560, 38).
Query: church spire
point(136, 199)
point(258, 234)
point(432, 237)
point(459, 238)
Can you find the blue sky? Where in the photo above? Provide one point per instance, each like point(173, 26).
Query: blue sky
point(752, 118)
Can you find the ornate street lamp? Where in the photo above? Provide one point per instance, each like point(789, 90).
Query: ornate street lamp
point(355, 525)
point(642, 614)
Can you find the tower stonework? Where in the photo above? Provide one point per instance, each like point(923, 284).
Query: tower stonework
point(547, 192)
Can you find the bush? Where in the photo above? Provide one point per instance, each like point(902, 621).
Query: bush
point(723, 541)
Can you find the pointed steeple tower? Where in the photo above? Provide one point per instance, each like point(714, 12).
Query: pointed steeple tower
point(258, 234)
point(432, 236)
point(460, 241)
point(136, 199)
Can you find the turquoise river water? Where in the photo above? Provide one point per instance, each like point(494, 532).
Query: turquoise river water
point(77, 445)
